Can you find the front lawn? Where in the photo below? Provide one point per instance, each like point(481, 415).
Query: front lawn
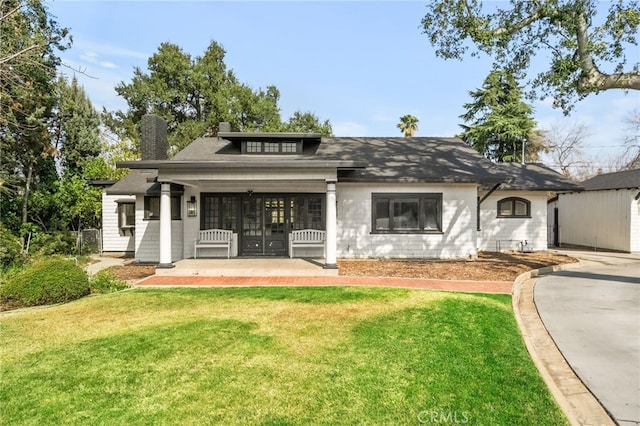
point(271, 356)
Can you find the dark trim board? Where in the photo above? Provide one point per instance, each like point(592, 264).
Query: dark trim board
point(262, 221)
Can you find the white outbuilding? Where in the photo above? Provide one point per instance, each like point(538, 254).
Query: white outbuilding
point(605, 216)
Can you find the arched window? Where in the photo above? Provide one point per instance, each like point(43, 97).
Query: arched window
point(514, 207)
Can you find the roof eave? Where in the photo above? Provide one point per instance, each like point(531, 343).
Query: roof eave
point(280, 164)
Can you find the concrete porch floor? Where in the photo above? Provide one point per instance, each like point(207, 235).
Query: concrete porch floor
point(249, 267)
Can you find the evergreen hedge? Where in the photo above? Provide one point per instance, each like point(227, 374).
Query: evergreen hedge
point(45, 282)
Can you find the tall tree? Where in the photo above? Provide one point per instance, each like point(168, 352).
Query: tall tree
point(566, 148)
point(194, 95)
point(307, 122)
point(631, 157)
point(76, 126)
point(500, 121)
point(29, 42)
point(584, 57)
point(408, 125)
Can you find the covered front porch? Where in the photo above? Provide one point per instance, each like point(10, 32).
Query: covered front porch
point(262, 219)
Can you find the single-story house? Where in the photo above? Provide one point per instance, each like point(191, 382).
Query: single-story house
point(606, 215)
point(373, 197)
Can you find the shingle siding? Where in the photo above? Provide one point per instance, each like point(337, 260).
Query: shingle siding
point(148, 237)
point(512, 232)
point(355, 239)
point(112, 239)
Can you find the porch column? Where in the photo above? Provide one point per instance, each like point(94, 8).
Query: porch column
point(165, 226)
point(331, 221)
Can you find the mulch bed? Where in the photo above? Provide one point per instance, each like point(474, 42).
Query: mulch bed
point(487, 267)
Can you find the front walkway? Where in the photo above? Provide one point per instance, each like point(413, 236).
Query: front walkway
point(502, 287)
point(251, 272)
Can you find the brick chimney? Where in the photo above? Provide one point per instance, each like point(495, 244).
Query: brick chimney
point(224, 126)
point(153, 138)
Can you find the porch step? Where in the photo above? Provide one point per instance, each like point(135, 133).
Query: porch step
point(249, 267)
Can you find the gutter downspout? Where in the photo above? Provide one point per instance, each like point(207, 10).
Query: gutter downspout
point(480, 200)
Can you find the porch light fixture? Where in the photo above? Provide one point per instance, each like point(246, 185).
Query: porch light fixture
point(192, 207)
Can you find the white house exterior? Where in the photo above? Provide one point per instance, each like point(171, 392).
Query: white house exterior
point(374, 197)
point(606, 215)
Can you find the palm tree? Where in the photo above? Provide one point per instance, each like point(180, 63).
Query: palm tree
point(408, 125)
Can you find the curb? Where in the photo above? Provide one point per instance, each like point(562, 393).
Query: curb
point(576, 401)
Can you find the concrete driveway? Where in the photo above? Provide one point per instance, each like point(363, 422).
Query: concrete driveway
point(593, 315)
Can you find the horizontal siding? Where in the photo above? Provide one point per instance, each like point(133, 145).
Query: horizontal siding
point(148, 237)
point(510, 233)
point(355, 240)
point(112, 239)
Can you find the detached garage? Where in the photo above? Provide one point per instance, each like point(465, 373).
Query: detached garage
point(605, 216)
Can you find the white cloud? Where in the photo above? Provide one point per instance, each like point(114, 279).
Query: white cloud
point(109, 50)
point(94, 59)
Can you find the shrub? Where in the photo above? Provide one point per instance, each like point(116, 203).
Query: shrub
point(56, 243)
point(10, 249)
point(106, 282)
point(45, 282)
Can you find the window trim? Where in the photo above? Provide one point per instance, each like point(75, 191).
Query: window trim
point(513, 214)
point(237, 201)
point(125, 227)
point(280, 150)
point(176, 207)
point(421, 196)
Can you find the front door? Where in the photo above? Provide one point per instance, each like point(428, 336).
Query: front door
point(263, 226)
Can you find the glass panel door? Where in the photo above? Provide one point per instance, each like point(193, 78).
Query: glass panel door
point(252, 226)
point(274, 226)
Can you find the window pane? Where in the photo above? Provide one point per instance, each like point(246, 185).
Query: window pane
point(176, 211)
point(382, 214)
point(289, 147)
point(405, 214)
point(210, 212)
point(314, 213)
point(229, 213)
point(430, 215)
point(152, 208)
point(520, 208)
point(297, 213)
point(254, 146)
point(504, 208)
point(126, 215)
point(271, 147)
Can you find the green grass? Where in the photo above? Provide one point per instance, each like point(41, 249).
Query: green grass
point(271, 356)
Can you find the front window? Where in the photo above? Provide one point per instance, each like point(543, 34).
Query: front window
point(152, 208)
point(307, 212)
point(514, 207)
point(407, 213)
point(219, 212)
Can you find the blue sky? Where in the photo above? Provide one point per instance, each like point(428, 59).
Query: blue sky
point(359, 64)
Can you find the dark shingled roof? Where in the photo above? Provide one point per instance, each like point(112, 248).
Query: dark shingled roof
point(142, 181)
point(367, 159)
point(618, 180)
point(533, 177)
point(419, 159)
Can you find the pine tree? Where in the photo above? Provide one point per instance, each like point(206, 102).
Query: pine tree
point(500, 121)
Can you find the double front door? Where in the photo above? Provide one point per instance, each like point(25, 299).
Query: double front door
point(262, 221)
point(264, 226)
